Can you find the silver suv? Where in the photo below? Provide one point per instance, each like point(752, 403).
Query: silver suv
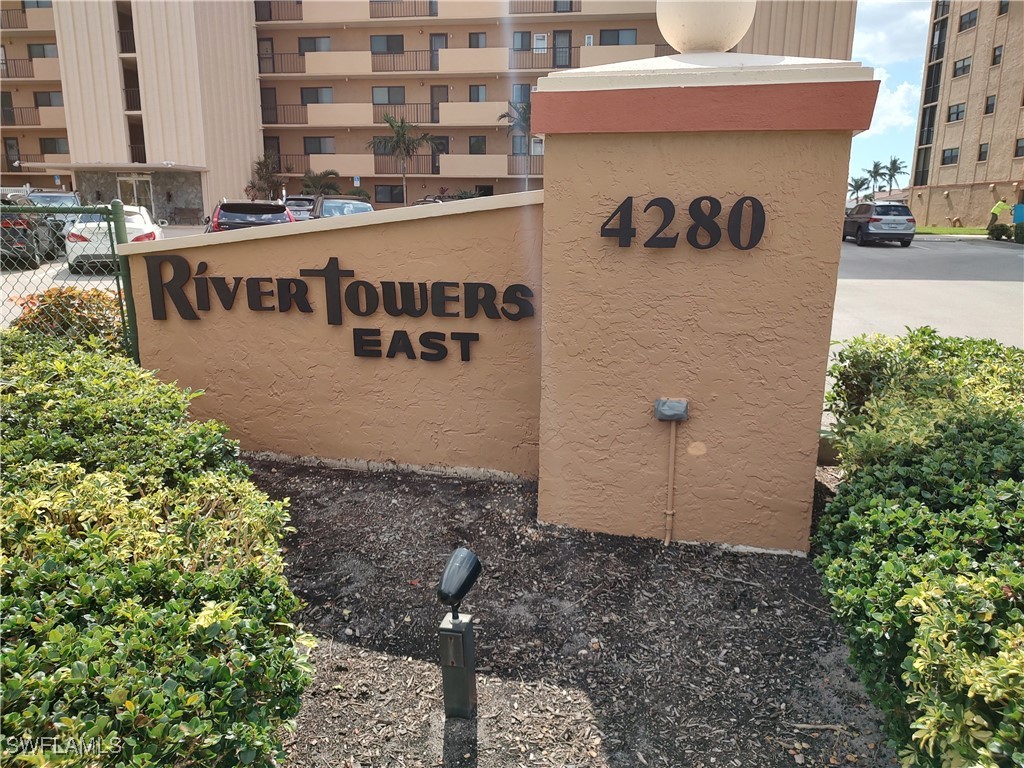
point(880, 222)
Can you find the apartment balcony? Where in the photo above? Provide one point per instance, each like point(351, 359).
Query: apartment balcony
point(132, 100)
point(417, 165)
point(408, 61)
point(286, 63)
point(520, 165)
point(13, 18)
point(411, 113)
point(471, 113)
point(46, 69)
point(473, 60)
point(284, 114)
point(334, 62)
point(473, 166)
point(516, 7)
point(345, 165)
point(293, 164)
point(278, 10)
point(334, 115)
point(137, 152)
point(57, 159)
point(126, 40)
point(402, 9)
point(19, 116)
point(40, 19)
point(52, 117)
point(664, 49)
point(13, 164)
point(16, 68)
point(545, 58)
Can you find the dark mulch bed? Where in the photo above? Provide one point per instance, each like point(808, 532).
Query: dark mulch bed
point(592, 649)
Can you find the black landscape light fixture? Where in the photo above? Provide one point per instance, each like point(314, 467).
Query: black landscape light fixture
point(455, 636)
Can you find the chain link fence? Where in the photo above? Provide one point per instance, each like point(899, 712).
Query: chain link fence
point(60, 274)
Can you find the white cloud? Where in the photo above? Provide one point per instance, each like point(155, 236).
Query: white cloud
point(896, 107)
point(889, 32)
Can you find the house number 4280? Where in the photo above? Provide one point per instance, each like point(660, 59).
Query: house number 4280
point(744, 225)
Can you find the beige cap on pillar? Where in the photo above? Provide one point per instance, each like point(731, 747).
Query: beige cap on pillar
point(704, 25)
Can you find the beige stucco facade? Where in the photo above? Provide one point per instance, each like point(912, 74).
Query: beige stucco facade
point(290, 382)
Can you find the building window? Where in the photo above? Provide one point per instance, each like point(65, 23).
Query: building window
point(54, 146)
point(310, 44)
point(1004, 6)
point(924, 159)
point(42, 51)
point(478, 93)
point(521, 93)
point(956, 112)
point(37, 4)
point(932, 82)
point(478, 145)
point(521, 41)
point(387, 43)
point(618, 37)
point(519, 145)
point(49, 99)
point(968, 20)
point(317, 95)
point(1019, 151)
point(938, 48)
point(951, 156)
point(941, 8)
point(318, 145)
point(997, 55)
point(962, 67)
point(477, 39)
point(927, 131)
point(388, 193)
point(389, 94)
point(990, 105)
point(982, 152)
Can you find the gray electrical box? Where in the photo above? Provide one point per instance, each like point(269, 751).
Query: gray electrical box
point(458, 666)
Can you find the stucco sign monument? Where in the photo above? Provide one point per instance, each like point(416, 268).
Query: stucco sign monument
point(684, 252)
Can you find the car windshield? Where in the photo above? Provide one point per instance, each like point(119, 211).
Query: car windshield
point(344, 207)
point(45, 199)
point(892, 210)
point(135, 219)
point(298, 205)
point(91, 218)
point(253, 212)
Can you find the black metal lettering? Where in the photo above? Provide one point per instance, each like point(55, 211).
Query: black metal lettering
point(400, 343)
point(180, 274)
point(290, 291)
point(202, 287)
point(439, 299)
point(465, 339)
point(519, 296)
point(255, 293)
point(365, 305)
point(434, 348)
point(225, 294)
point(366, 342)
point(481, 296)
point(408, 305)
point(332, 275)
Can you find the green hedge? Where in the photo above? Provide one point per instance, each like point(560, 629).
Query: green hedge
point(144, 614)
point(931, 436)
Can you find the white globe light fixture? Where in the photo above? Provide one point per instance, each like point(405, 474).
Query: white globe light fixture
point(692, 26)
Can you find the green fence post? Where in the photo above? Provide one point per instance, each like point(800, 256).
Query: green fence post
point(121, 237)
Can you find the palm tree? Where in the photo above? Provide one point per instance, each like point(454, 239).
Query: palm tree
point(877, 175)
point(323, 183)
point(265, 184)
point(895, 168)
point(403, 143)
point(518, 116)
point(856, 185)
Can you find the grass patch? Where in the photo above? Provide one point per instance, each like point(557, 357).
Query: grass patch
point(952, 231)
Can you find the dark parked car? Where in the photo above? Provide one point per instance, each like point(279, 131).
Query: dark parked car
point(338, 205)
point(25, 239)
point(60, 223)
point(240, 214)
point(300, 205)
point(880, 222)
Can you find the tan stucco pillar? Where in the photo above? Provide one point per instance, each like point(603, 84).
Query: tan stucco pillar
point(740, 332)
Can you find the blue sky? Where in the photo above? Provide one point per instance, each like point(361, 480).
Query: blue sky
point(890, 36)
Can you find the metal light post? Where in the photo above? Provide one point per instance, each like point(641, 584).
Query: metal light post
point(455, 636)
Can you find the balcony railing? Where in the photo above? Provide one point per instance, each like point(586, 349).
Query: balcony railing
point(544, 58)
point(14, 18)
point(19, 116)
point(544, 6)
point(16, 68)
point(292, 164)
point(138, 152)
point(390, 165)
point(278, 10)
point(132, 100)
point(126, 38)
point(12, 168)
point(409, 61)
point(284, 114)
point(664, 49)
point(413, 113)
point(281, 62)
point(519, 165)
point(401, 9)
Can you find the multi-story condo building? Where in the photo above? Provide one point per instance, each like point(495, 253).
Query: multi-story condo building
point(152, 102)
point(331, 72)
point(168, 104)
point(970, 136)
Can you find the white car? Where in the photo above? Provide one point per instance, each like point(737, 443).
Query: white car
point(88, 243)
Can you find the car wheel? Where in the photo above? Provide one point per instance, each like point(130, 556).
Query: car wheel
point(904, 243)
point(859, 237)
